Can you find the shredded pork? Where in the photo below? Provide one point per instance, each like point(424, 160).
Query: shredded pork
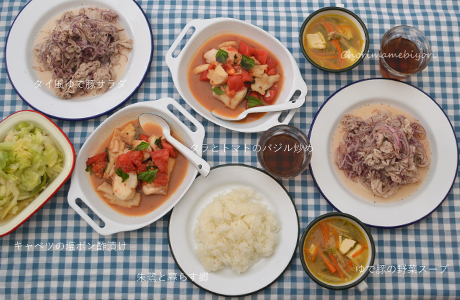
point(382, 152)
point(81, 51)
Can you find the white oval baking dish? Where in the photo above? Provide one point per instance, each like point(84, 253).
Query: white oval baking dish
point(204, 29)
point(81, 187)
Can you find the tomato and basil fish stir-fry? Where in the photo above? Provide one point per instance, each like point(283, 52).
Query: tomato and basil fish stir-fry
point(237, 71)
point(133, 163)
point(335, 250)
point(333, 42)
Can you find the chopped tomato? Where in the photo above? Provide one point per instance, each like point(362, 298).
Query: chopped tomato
point(246, 77)
point(229, 69)
point(141, 168)
point(143, 137)
point(98, 168)
point(261, 56)
point(124, 162)
point(271, 71)
point(212, 66)
point(160, 159)
point(161, 179)
point(136, 157)
point(204, 76)
point(166, 145)
point(254, 94)
point(97, 163)
point(97, 158)
point(245, 49)
point(269, 96)
point(235, 83)
point(271, 63)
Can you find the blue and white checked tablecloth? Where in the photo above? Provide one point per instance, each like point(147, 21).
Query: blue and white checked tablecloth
point(56, 255)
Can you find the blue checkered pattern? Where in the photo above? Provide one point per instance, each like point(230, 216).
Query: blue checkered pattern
point(68, 271)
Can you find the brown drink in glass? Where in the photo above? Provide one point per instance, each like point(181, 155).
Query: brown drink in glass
point(284, 151)
point(404, 51)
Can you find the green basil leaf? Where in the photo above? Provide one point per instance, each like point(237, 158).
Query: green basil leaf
point(253, 101)
point(247, 63)
point(88, 169)
point(142, 146)
point(148, 176)
point(122, 174)
point(158, 143)
point(218, 91)
point(221, 56)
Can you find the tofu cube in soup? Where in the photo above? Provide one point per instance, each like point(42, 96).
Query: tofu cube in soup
point(346, 245)
point(316, 40)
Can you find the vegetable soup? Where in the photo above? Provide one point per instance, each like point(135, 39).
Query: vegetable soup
point(333, 42)
point(336, 251)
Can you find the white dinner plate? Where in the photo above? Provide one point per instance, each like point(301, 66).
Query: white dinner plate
point(205, 29)
point(184, 218)
point(19, 58)
point(440, 133)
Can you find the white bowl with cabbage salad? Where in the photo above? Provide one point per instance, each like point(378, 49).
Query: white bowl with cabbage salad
point(36, 159)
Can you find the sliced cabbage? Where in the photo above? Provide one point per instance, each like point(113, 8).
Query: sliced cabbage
point(29, 161)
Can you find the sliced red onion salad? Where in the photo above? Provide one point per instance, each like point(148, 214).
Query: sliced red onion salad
point(82, 47)
point(382, 152)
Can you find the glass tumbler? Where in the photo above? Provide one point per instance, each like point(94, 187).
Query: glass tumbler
point(284, 151)
point(404, 51)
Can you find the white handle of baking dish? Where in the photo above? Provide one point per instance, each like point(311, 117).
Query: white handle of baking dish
point(198, 24)
point(299, 85)
point(198, 135)
point(75, 192)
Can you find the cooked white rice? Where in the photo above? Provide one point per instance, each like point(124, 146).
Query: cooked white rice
point(235, 230)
